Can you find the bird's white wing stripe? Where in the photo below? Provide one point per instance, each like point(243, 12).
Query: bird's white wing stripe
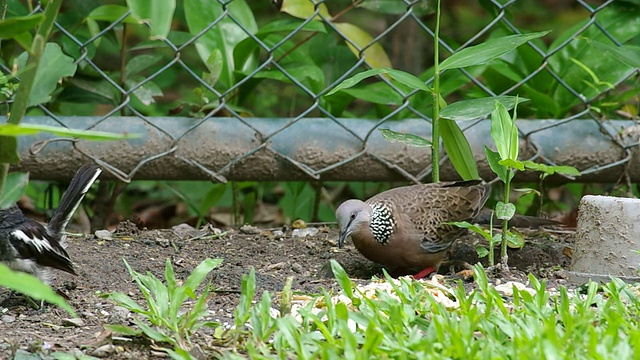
point(42, 245)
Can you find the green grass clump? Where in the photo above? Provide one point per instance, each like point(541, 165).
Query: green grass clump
point(394, 319)
point(171, 313)
point(410, 322)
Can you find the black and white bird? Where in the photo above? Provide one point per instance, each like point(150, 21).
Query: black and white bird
point(29, 246)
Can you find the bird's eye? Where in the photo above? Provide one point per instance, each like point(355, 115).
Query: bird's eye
point(353, 216)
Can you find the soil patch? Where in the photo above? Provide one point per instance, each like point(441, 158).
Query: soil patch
point(274, 254)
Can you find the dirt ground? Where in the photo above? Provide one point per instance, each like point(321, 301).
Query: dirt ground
point(274, 257)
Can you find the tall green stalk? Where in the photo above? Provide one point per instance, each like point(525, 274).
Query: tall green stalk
point(435, 121)
point(505, 223)
point(21, 102)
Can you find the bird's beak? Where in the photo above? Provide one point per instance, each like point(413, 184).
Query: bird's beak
point(343, 235)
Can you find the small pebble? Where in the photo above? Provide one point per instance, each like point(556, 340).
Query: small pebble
point(104, 351)
point(77, 322)
point(8, 318)
point(103, 234)
point(297, 268)
point(305, 232)
point(250, 230)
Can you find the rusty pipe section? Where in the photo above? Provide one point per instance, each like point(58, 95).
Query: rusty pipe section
point(317, 149)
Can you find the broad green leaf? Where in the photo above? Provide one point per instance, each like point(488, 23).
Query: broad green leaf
point(122, 329)
point(50, 72)
point(608, 68)
point(551, 169)
point(459, 150)
point(361, 44)
point(200, 273)
point(493, 158)
point(111, 13)
point(31, 129)
point(377, 93)
point(626, 54)
point(515, 240)
point(477, 108)
point(473, 227)
point(9, 150)
point(303, 9)
point(505, 211)
point(224, 36)
point(146, 93)
point(513, 164)
point(487, 51)
point(402, 77)
point(482, 251)
point(140, 62)
point(14, 186)
point(310, 75)
point(31, 286)
point(158, 14)
point(502, 130)
point(214, 65)
point(14, 26)
point(289, 25)
point(395, 7)
point(407, 139)
point(342, 278)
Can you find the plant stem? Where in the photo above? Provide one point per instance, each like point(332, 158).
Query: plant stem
point(435, 121)
point(21, 101)
point(505, 223)
point(492, 244)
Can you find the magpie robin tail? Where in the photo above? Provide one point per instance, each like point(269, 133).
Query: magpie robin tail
point(78, 188)
point(27, 245)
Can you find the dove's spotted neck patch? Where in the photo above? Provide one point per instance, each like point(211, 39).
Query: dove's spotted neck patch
point(382, 223)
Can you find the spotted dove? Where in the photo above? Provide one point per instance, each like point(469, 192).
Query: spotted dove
point(404, 228)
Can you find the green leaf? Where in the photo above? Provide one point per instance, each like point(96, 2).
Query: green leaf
point(493, 158)
point(487, 51)
point(31, 129)
point(551, 169)
point(395, 7)
point(515, 240)
point(224, 36)
point(407, 139)
point(482, 251)
point(402, 77)
point(505, 211)
point(140, 63)
point(362, 44)
point(626, 54)
point(200, 273)
point(377, 93)
point(342, 278)
point(513, 164)
point(477, 108)
point(122, 329)
point(14, 26)
point(31, 286)
point(158, 14)
point(503, 129)
point(146, 93)
point(214, 65)
point(111, 13)
point(56, 66)
point(473, 227)
point(15, 185)
point(303, 9)
point(459, 150)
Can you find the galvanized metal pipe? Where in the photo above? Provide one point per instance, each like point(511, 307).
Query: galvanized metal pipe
point(322, 149)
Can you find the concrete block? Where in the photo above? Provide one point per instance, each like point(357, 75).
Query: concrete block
point(607, 238)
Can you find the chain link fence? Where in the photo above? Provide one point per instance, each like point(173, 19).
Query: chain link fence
point(239, 91)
